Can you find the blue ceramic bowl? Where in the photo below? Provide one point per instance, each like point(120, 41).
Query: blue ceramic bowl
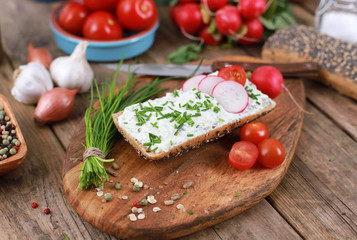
point(131, 45)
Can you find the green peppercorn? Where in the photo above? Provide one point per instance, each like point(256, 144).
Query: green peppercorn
point(2, 151)
point(1, 108)
point(144, 202)
point(108, 197)
point(17, 143)
point(118, 185)
point(5, 142)
point(136, 188)
point(2, 112)
point(9, 138)
point(12, 151)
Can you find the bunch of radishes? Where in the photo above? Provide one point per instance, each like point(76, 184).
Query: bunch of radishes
point(213, 20)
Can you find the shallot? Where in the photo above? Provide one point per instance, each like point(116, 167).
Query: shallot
point(40, 55)
point(55, 105)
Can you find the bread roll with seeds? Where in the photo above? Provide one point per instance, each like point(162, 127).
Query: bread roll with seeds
point(336, 59)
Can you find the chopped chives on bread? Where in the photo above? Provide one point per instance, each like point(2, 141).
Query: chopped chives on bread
point(166, 127)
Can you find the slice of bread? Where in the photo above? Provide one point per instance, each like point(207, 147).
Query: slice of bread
point(254, 110)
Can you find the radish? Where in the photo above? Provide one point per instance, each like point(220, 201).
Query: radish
point(231, 95)
point(207, 84)
point(192, 82)
point(270, 81)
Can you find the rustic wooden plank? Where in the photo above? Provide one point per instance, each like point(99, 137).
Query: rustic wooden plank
point(342, 110)
point(38, 179)
point(317, 189)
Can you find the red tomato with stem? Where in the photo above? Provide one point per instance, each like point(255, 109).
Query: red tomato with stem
point(214, 4)
point(189, 18)
point(255, 30)
point(233, 73)
point(136, 15)
point(102, 25)
point(209, 38)
point(251, 8)
point(271, 153)
point(268, 80)
point(243, 155)
point(72, 17)
point(254, 132)
point(228, 20)
point(101, 5)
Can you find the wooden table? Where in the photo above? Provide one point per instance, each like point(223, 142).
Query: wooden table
point(317, 199)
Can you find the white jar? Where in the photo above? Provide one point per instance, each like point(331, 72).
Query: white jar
point(338, 19)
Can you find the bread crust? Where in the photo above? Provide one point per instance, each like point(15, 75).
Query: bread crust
point(193, 143)
point(336, 63)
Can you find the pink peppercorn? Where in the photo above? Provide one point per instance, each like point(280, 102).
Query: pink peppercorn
point(47, 211)
point(136, 204)
point(34, 205)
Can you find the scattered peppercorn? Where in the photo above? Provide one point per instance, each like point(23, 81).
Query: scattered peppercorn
point(144, 202)
point(47, 211)
point(108, 197)
point(136, 204)
point(136, 188)
point(118, 186)
point(34, 205)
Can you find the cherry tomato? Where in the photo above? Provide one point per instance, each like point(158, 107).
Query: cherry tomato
point(255, 30)
point(189, 18)
point(243, 155)
point(214, 4)
point(102, 25)
point(72, 17)
point(136, 15)
point(268, 79)
point(254, 132)
point(209, 38)
point(103, 5)
point(228, 20)
point(271, 153)
point(251, 8)
point(233, 73)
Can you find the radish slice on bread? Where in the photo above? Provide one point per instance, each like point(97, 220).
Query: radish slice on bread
point(207, 84)
point(192, 82)
point(231, 95)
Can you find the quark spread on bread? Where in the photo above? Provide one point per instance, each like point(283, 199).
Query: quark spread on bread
point(164, 123)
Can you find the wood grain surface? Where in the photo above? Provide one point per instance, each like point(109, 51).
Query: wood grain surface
point(315, 200)
point(212, 197)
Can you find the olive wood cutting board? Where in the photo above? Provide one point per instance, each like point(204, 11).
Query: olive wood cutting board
point(218, 192)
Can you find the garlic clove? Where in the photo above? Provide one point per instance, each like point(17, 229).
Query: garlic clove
point(55, 105)
point(31, 81)
point(74, 71)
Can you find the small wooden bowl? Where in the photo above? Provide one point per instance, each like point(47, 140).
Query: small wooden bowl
point(13, 162)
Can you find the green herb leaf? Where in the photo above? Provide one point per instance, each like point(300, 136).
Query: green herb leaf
point(185, 53)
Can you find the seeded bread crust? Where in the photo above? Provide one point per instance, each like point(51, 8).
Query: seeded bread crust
point(192, 143)
point(336, 59)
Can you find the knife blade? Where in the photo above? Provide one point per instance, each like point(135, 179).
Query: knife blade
point(160, 69)
point(296, 69)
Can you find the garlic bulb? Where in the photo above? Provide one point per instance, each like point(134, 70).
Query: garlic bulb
point(31, 81)
point(73, 72)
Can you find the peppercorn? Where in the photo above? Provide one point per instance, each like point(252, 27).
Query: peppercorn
point(34, 205)
point(5, 142)
point(144, 202)
point(12, 151)
point(108, 197)
point(136, 188)
point(47, 211)
point(118, 185)
point(2, 151)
